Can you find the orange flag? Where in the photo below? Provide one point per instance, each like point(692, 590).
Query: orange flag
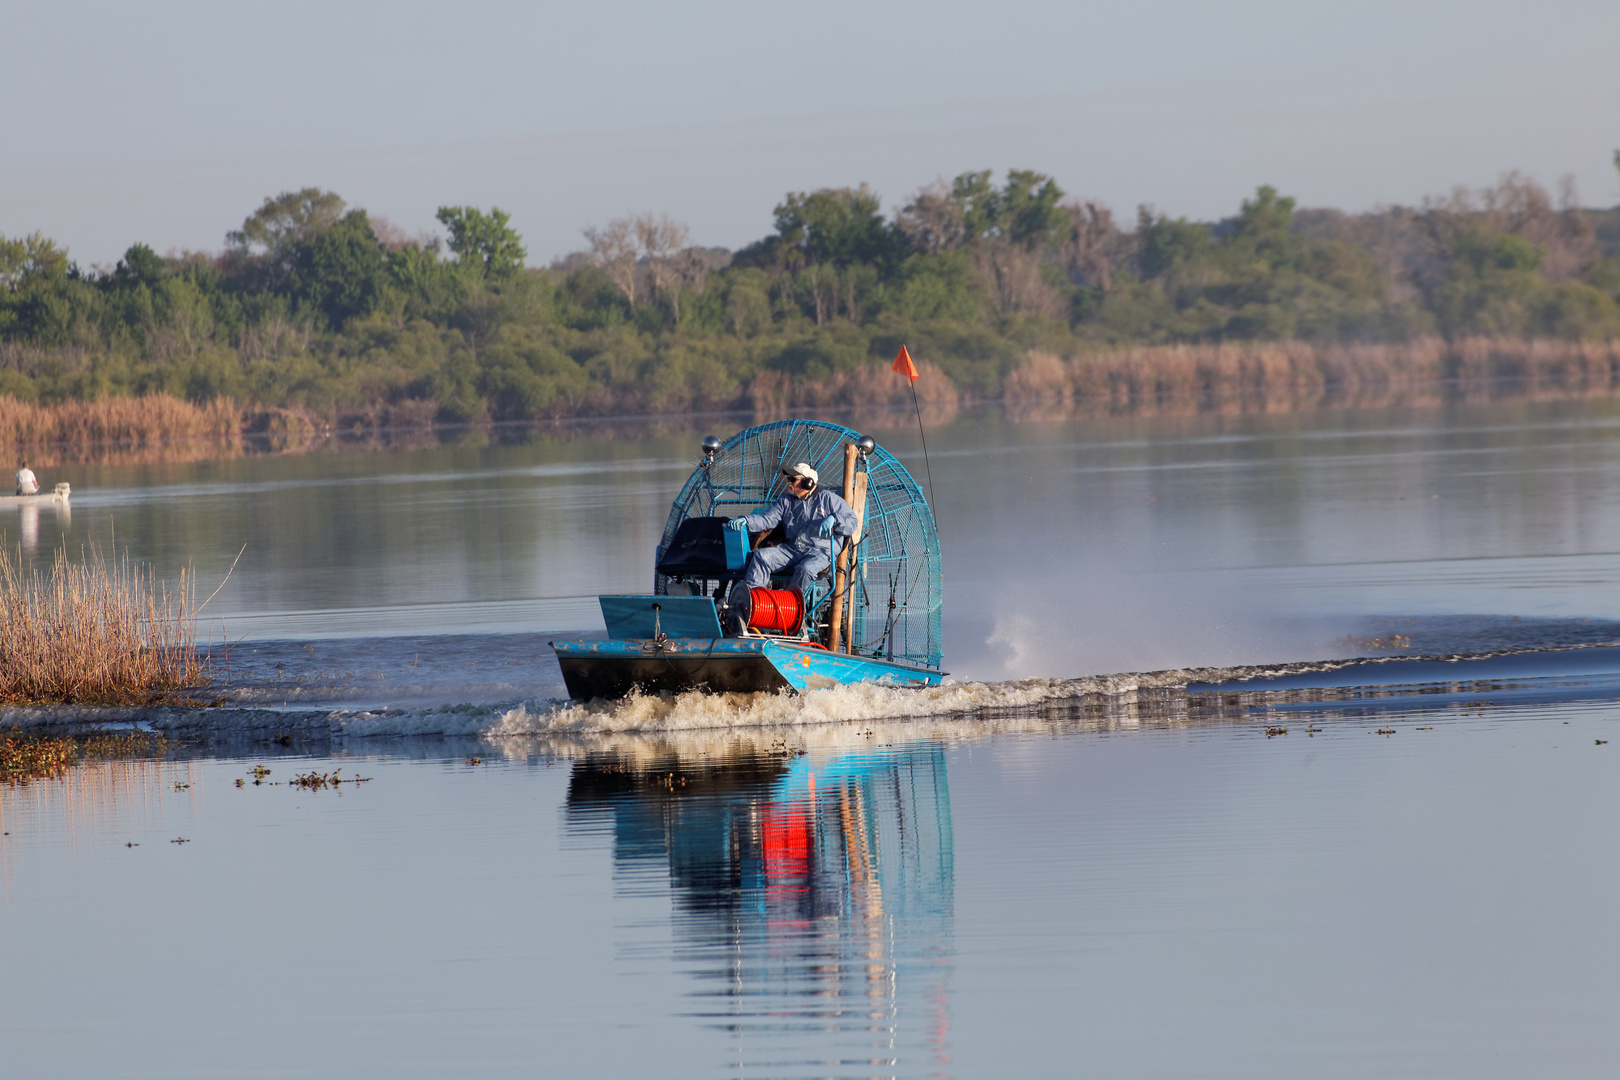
point(904, 366)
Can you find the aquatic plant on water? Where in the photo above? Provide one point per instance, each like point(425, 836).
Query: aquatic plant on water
point(94, 633)
point(32, 756)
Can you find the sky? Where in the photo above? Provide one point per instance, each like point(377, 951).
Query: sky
point(168, 123)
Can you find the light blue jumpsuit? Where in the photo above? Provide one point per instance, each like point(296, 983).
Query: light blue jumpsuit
point(806, 552)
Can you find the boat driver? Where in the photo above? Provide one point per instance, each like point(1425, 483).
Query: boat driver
point(27, 482)
point(812, 518)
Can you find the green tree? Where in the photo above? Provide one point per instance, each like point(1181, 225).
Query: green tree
point(41, 298)
point(1263, 229)
point(264, 250)
point(293, 217)
point(339, 272)
point(430, 288)
point(1167, 246)
point(139, 266)
point(484, 240)
point(975, 197)
point(1026, 210)
point(32, 260)
point(840, 226)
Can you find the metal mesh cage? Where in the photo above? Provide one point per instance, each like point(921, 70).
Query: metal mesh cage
point(896, 594)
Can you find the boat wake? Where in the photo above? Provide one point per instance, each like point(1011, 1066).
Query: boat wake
point(1175, 697)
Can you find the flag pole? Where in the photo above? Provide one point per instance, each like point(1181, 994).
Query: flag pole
point(904, 366)
point(928, 465)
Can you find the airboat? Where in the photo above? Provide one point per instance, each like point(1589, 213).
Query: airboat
point(874, 617)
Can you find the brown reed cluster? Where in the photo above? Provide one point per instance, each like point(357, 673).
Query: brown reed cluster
point(90, 633)
point(1289, 375)
point(124, 421)
point(869, 386)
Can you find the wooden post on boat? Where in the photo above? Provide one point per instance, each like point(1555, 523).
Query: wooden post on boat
point(835, 625)
point(858, 504)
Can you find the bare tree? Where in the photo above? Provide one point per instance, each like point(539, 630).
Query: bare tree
point(694, 265)
point(1012, 276)
point(662, 239)
point(1092, 244)
point(1395, 238)
point(614, 249)
point(1520, 206)
point(933, 220)
point(1578, 248)
point(820, 281)
point(692, 269)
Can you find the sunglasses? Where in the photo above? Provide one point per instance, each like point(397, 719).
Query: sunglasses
point(796, 481)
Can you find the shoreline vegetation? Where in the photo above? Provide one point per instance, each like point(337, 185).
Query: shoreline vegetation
point(1160, 380)
point(317, 321)
point(90, 633)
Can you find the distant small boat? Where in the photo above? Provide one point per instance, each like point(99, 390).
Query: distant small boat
point(44, 498)
point(876, 619)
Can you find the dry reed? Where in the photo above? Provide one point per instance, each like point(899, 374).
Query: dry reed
point(93, 634)
point(1286, 376)
point(776, 393)
point(129, 421)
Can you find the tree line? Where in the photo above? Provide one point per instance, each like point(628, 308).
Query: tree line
point(316, 304)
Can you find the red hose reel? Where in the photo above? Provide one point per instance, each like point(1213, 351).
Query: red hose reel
point(777, 610)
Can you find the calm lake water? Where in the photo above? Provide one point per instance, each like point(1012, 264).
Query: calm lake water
point(1053, 866)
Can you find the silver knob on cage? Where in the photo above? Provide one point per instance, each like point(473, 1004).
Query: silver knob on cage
point(866, 444)
point(711, 447)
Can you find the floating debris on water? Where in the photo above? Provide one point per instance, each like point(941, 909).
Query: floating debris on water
point(315, 781)
point(1273, 732)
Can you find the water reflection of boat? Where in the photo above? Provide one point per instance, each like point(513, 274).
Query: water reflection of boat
point(875, 617)
point(813, 893)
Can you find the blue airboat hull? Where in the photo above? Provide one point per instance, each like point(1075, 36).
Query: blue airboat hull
point(595, 668)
